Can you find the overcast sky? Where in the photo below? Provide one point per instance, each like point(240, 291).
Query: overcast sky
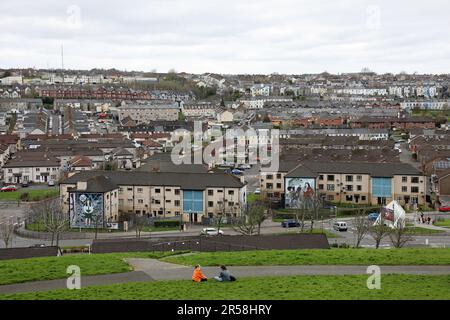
point(260, 36)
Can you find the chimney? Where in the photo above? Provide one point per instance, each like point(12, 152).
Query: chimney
point(81, 185)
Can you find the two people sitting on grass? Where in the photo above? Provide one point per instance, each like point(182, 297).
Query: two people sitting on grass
point(223, 276)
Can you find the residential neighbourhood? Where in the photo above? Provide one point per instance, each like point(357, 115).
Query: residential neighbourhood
point(230, 157)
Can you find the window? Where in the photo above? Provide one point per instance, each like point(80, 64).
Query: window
point(230, 192)
point(348, 198)
point(269, 185)
point(278, 185)
point(37, 169)
point(330, 197)
point(140, 190)
point(130, 200)
point(330, 177)
point(278, 175)
point(349, 187)
point(349, 178)
point(359, 178)
point(177, 192)
point(177, 203)
point(414, 179)
point(363, 198)
point(168, 190)
point(414, 189)
point(157, 201)
point(404, 179)
point(158, 190)
point(269, 177)
point(219, 191)
point(140, 201)
point(320, 186)
point(321, 177)
point(330, 187)
point(359, 187)
point(129, 189)
point(404, 189)
point(168, 201)
point(210, 204)
point(210, 192)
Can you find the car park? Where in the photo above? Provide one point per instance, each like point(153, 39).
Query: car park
point(290, 224)
point(340, 226)
point(211, 232)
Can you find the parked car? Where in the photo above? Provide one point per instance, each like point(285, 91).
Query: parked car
point(290, 224)
point(373, 216)
point(38, 245)
point(444, 209)
point(10, 188)
point(24, 184)
point(211, 232)
point(51, 183)
point(237, 172)
point(245, 166)
point(340, 226)
point(257, 191)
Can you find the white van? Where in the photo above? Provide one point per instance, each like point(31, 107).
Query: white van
point(340, 226)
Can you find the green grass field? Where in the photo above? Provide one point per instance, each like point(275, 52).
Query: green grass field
point(34, 194)
point(443, 223)
point(423, 231)
point(307, 231)
point(405, 256)
point(36, 269)
point(393, 287)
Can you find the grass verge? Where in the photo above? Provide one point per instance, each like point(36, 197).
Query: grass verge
point(49, 268)
point(393, 287)
point(405, 256)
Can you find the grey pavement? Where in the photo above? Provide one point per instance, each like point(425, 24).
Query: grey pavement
point(151, 269)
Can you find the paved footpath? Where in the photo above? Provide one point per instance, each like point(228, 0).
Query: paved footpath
point(151, 269)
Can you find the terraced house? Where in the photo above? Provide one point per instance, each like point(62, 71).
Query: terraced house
point(192, 196)
point(351, 182)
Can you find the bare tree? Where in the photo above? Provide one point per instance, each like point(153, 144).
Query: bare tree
point(300, 215)
point(362, 226)
point(140, 222)
point(253, 216)
point(49, 213)
point(7, 232)
point(399, 236)
point(379, 231)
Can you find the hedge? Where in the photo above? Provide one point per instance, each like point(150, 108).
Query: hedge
point(167, 223)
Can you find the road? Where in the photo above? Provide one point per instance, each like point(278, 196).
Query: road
point(268, 227)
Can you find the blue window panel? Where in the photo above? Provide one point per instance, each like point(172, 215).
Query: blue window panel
point(192, 201)
point(382, 187)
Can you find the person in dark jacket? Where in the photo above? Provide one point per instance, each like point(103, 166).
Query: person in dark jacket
point(224, 275)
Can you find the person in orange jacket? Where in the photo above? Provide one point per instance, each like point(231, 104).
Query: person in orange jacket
point(198, 275)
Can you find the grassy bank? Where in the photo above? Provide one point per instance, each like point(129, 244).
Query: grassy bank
point(405, 256)
point(33, 194)
point(48, 268)
point(443, 223)
point(393, 287)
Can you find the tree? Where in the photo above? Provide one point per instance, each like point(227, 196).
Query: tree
point(7, 232)
point(49, 213)
point(362, 226)
point(140, 222)
point(379, 231)
point(253, 216)
point(400, 236)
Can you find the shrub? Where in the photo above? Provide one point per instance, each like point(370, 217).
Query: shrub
point(167, 223)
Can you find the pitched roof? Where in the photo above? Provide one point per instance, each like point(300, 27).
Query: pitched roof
point(193, 181)
point(374, 169)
